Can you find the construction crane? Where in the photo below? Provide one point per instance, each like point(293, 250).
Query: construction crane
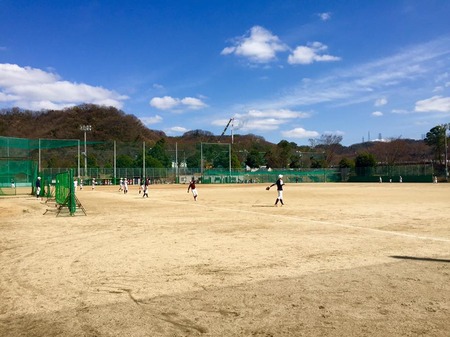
point(226, 128)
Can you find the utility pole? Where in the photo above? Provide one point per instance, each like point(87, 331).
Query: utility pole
point(143, 160)
point(115, 165)
point(176, 163)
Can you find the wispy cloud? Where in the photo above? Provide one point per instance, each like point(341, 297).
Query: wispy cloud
point(381, 101)
point(157, 86)
point(364, 82)
point(151, 120)
point(280, 114)
point(36, 89)
point(433, 104)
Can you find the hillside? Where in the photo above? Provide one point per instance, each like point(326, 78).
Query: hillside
point(108, 123)
point(111, 124)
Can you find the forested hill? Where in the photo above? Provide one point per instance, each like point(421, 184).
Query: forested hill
point(108, 123)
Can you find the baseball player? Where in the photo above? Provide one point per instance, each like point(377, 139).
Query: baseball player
point(38, 187)
point(280, 185)
point(146, 183)
point(193, 188)
point(125, 186)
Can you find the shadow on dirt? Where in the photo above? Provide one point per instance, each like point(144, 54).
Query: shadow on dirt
point(415, 258)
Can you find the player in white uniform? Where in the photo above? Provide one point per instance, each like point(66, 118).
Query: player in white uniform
point(280, 185)
point(125, 186)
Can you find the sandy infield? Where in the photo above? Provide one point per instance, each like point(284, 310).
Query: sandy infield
point(336, 260)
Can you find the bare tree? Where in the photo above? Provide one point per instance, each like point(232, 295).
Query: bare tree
point(330, 144)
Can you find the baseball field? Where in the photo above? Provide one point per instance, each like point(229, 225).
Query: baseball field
point(335, 260)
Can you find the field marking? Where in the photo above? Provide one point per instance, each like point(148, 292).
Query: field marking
point(327, 223)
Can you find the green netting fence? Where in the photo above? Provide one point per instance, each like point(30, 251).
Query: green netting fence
point(397, 173)
point(21, 159)
point(218, 176)
point(65, 191)
point(16, 174)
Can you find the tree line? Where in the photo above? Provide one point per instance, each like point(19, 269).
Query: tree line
point(249, 151)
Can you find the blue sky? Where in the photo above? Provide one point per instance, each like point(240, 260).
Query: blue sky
point(292, 70)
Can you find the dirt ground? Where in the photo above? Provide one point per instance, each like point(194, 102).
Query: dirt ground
point(336, 260)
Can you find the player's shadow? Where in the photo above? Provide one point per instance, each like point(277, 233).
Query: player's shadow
point(415, 258)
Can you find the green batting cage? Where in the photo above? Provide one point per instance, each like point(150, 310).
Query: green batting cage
point(22, 161)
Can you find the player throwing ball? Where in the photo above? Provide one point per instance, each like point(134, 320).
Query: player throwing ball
point(192, 188)
point(280, 185)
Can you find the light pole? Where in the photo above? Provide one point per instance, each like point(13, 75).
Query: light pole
point(446, 126)
point(85, 128)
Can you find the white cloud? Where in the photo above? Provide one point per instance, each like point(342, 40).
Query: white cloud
point(262, 120)
point(193, 103)
point(264, 124)
point(381, 101)
point(377, 114)
point(400, 111)
point(259, 45)
point(164, 103)
point(311, 53)
point(361, 83)
point(13, 75)
point(168, 103)
point(179, 129)
point(300, 133)
point(324, 16)
point(151, 120)
point(32, 88)
point(433, 104)
point(175, 130)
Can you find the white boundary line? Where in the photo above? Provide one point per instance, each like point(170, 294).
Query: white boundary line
point(327, 223)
